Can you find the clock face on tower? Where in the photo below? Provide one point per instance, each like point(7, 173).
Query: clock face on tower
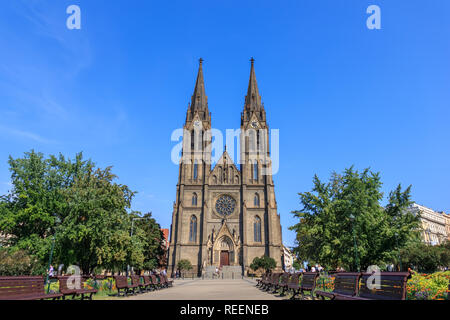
point(225, 205)
point(197, 123)
point(255, 124)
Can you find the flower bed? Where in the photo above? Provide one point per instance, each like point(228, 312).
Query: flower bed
point(428, 286)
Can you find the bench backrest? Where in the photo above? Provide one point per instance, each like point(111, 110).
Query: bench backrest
point(347, 283)
point(146, 280)
point(285, 278)
point(309, 280)
point(276, 278)
point(294, 280)
point(161, 278)
point(154, 280)
point(21, 286)
point(121, 281)
point(135, 280)
point(392, 286)
point(66, 281)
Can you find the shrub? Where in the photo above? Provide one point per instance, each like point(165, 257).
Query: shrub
point(19, 263)
point(265, 262)
point(184, 264)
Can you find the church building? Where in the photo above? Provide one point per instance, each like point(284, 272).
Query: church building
point(226, 215)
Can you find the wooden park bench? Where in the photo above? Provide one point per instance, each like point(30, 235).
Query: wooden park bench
point(162, 281)
point(24, 288)
point(291, 284)
point(392, 287)
point(167, 280)
point(155, 282)
point(345, 285)
point(267, 281)
point(308, 284)
point(275, 280)
point(147, 284)
point(259, 282)
point(135, 283)
point(283, 280)
point(122, 284)
point(64, 288)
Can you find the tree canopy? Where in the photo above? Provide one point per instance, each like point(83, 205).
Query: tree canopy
point(350, 204)
point(82, 206)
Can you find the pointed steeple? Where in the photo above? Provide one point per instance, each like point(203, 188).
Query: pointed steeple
point(253, 99)
point(199, 98)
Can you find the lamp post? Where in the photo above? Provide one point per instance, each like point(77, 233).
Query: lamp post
point(47, 282)
point(398, 252)
point(352, 218)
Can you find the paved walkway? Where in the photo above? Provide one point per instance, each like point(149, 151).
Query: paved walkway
point(242, 289)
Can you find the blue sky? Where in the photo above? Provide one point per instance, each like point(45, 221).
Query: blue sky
point(339, 93)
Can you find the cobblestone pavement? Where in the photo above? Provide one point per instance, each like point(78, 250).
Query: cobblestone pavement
point(242, 289)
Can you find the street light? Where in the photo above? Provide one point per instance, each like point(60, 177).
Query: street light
point(398, 252)
point(352, 218)
point(57, 220)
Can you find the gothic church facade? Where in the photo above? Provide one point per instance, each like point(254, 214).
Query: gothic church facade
point(225, 215)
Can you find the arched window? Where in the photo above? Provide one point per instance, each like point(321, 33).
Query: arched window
point(257, 229)
point(193, 229)
point(194, 199)
point(195, 170)
point(255, 171)
point(256, 200)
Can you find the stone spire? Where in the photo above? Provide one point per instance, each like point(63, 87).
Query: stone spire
point(199, 98)
point(253, 99)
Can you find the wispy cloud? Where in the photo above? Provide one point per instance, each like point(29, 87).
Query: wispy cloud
point(25, 135)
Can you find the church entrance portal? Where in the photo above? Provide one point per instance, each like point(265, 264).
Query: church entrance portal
point(224, 258)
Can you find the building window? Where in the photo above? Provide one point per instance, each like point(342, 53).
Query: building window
point(257, 229)
point(195, 170)
point(193, 229)
point(255, 171)
point(256, 200)
point(194, 199)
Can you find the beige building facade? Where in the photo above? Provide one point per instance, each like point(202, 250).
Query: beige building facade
point(434, 228)
point(225, 215)
point(288, 259)
point(447, 225)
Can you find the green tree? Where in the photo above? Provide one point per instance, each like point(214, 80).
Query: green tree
point(266, 263)
point(150, 236)
point(425, 258)
point(324, 232)
point(28, 214)
point(95, 231)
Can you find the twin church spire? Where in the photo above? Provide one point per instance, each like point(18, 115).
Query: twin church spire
point(199, 100)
